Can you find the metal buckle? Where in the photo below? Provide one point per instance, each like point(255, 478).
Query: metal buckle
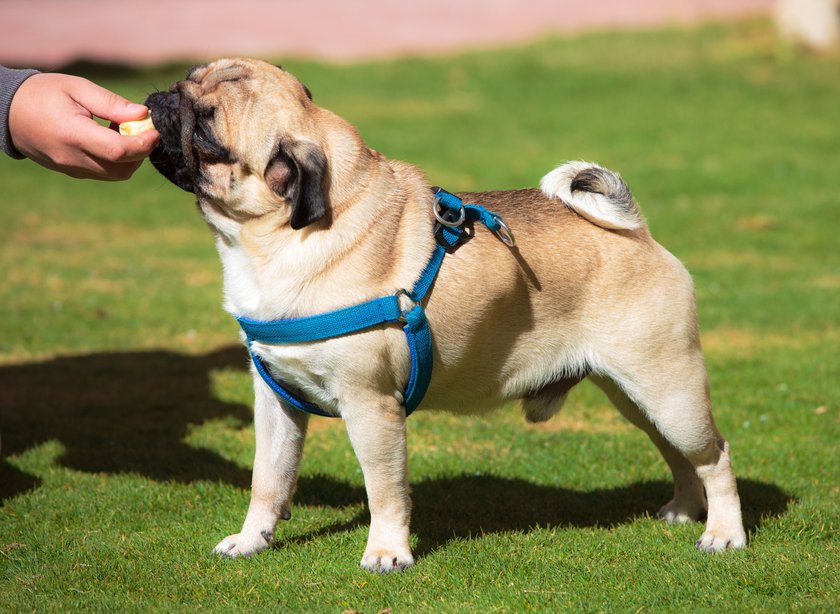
point(504, 233)
point(405, 293)
point(442, 217)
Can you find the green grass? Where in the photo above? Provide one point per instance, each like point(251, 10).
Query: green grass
point(125, 405)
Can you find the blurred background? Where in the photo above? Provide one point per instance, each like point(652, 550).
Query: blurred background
point(53, 33)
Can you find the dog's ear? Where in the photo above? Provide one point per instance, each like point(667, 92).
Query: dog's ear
point(296, 173)
point(305, 89)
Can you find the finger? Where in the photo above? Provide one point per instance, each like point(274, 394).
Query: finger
point(119, 172)
point(95, 169)
point(150, 135)
point(105, 103)
point(106, 145)
point(139, 146)
point(92, 168)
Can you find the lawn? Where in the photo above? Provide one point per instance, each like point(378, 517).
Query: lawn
point(125, 403)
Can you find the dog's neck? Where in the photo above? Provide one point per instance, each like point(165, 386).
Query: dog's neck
point(378, 224)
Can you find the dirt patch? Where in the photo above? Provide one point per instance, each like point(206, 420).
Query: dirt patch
point(601, 419)
point(756, 223)
point(745, 342)
point(319, 423)
point(726, 258)
point(828, 282)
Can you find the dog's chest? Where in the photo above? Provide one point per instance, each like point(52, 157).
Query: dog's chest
point(241, 291)
point(296, 365)
point(246, 294)
point(302, 369)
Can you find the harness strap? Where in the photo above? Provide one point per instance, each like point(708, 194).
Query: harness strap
point(292, 399)
point(419, 337)
point(451, 214)
point(324, 325)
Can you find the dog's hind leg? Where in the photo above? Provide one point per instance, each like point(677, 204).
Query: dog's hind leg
point(689, 501)
point(671, 404)
point(280, 432)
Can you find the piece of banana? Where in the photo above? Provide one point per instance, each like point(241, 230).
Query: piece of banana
point(136, 127)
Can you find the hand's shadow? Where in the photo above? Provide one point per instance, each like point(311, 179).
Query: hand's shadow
point(118, 413)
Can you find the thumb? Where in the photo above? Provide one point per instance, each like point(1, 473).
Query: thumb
point(105, 103)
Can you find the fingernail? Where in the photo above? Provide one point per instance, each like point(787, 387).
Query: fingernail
point(133, 107)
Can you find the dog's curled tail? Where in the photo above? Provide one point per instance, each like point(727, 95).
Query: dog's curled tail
point(596, 193)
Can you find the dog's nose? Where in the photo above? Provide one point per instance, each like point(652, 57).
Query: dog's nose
point(163, 102)
point(164, 109)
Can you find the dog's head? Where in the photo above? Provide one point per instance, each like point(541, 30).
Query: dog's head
point(244, 136)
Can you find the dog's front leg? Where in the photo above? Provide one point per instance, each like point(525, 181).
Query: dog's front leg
point(377, 432)
point(280, 431)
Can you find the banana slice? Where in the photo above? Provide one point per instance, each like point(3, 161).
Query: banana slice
point(136, 127)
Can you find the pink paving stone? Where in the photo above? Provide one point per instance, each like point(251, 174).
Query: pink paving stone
point(50, 33)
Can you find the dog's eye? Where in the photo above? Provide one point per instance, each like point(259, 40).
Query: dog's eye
point(207, 147)
point(204, 113)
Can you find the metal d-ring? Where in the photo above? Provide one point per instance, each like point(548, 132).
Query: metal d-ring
point(440, 216)
point(403, 312)
point(504, 232)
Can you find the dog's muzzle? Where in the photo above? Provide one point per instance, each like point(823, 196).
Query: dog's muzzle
point(174, 118)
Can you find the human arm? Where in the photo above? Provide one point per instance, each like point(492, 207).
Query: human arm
point(50, 121)
point(10, 80)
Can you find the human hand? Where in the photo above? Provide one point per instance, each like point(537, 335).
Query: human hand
point(51, 122)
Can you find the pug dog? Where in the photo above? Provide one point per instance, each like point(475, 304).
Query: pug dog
point(308, 219)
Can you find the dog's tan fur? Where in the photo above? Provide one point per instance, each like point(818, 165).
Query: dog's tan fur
point(572, 299)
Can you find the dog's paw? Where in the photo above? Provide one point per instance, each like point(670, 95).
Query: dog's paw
point(716, 541)
point(386, 561)
point(243, 544)
point(681, 512)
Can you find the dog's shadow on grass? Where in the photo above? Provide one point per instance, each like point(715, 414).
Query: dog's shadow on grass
point(130, 413)
point(466, 506)
point(118, 413)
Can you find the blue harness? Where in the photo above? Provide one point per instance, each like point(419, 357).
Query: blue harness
point(451, 214)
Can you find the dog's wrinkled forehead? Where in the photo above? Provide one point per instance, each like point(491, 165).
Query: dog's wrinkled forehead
point(208, 77)
point(246, 75)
